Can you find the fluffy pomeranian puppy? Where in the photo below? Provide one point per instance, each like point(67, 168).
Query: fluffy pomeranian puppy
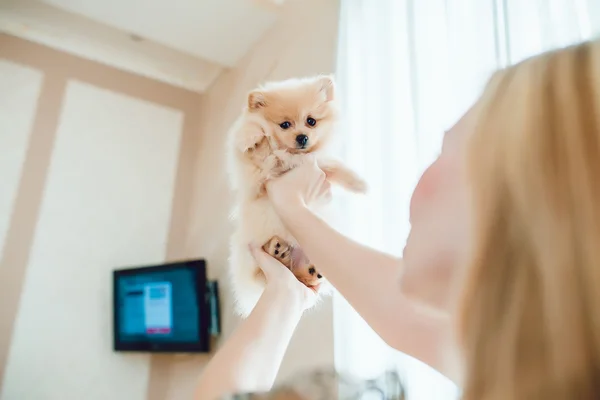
point(280, 125)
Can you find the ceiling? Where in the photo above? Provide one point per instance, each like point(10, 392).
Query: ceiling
point(221, 31)
point(183, 42)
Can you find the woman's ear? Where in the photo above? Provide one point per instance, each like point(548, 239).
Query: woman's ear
point(256, 100)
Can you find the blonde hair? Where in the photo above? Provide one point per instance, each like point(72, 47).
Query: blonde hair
point(530, 311)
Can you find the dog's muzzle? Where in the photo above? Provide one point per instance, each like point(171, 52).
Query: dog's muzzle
point(302, 141)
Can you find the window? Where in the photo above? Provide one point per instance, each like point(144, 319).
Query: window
point(407, 70)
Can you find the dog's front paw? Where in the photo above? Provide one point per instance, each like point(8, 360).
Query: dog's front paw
point(357, 184)
point(348, 179)
point(259, 150)
point(339, 174)
point(248, 138)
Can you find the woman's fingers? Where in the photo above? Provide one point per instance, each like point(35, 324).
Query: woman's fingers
point(319, 185)
point(325, 192)
point(323, 195)
point(277, 274)
point(322, 177)
point(264, 260)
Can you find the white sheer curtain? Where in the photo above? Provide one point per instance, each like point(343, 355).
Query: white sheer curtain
point(407, 69)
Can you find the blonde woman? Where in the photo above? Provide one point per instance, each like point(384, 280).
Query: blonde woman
point(504, 246)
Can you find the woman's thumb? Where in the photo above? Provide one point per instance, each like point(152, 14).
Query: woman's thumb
point(261, 258)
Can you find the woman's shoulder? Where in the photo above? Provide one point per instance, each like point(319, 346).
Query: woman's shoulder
point(328, 384)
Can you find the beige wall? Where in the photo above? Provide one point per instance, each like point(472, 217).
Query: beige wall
point(64, 223)
point(95, 166)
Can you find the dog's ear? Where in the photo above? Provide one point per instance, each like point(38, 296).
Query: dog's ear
point(256, 100)
point(327, 86)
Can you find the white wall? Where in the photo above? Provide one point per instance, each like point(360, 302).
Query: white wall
point(107, 203)
point(94, 176)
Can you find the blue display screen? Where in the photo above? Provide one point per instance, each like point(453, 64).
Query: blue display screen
point(158, 306)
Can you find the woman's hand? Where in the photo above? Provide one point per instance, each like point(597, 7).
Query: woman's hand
point(299, 188)
point(249, 359)
point(281, 281)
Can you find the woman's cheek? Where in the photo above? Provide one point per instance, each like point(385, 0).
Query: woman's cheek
point(427, 186)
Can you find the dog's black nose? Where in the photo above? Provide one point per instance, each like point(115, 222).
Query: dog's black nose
point(302, 140)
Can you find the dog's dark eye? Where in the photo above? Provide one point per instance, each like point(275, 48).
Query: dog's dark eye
point(311, 121)
point(285, 125)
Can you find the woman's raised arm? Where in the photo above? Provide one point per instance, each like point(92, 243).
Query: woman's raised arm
point(367, 278)
point(250, 359)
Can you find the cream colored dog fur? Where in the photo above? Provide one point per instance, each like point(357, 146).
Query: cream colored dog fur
point(281, 123)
